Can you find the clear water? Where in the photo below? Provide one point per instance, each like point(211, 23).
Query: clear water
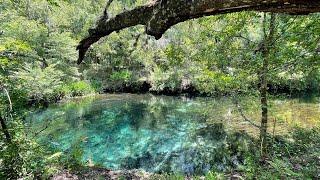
point(160, 133)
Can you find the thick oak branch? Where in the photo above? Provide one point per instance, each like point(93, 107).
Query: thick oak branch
point(159, 15)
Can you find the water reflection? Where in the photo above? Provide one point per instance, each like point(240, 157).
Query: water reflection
point(159, 133)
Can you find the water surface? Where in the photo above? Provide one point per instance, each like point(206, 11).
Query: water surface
point(161, 133)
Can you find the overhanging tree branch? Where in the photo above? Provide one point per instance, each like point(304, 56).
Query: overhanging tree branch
point(159, 15)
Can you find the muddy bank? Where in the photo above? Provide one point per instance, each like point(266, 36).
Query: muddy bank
point(101, 173)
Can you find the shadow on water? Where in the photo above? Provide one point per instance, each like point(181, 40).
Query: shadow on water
point(154, 133)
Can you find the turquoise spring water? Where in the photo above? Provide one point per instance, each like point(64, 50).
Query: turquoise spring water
point(153, 133)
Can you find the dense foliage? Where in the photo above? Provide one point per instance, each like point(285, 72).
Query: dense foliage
point(212, 56)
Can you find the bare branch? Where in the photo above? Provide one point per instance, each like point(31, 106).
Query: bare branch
point(105, 12)
point(9, 99)
point(236, 102)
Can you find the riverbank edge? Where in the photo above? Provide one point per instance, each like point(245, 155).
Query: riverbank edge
point(135, 174)
point(146, 88)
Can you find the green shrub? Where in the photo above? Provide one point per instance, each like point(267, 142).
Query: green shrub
point(96, 85)
point(123, 76)
point(63, 91)
point(23, 157)
point(80, 88)
point(170, 80)
point(120, 79)
point(210, 82)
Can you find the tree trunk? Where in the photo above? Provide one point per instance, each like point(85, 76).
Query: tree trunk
point(264, 106)
point(265, 50)
point(5, 129)
point(3, 120)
